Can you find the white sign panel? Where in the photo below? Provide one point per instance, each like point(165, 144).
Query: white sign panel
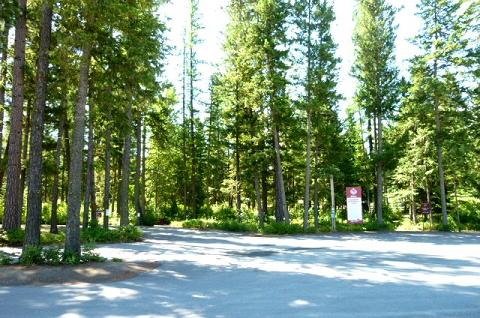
point(354, 205)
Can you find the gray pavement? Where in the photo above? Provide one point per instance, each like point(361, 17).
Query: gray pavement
point(216, 274)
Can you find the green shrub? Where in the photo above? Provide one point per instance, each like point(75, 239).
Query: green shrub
point(5, 259)
point(130, 233)
point(32, 255)
point(235, 226)
point(225, 214)
point(52, 256)
point(282, 228)
point(70, 258)
point(12, 237)
point(195, 224)
point(149, 217)
point(89, 255)
point(47, 238)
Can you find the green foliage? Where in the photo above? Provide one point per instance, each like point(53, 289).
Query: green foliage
point(225, 214)
point(97, 234)
point(52, 256)
point(32, 255)
point(12, 237)
point(89, 255)
point(5, 259)
point(47, 238)
point(149, 218)
point(61, 213)
point(282, 228)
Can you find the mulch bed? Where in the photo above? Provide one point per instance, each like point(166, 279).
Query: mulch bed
point(18, 275)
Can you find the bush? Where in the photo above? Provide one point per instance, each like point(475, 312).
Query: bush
point(149, 217)
point(52, 256)
point(225, 214)
point(195, 224)
point(89, 256)
point(235, 226)
point(47, 238)
point(32, 255)
point(12, 237)
point(282, 228)
point(5, 259)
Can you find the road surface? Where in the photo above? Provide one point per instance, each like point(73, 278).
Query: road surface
point(220, 275)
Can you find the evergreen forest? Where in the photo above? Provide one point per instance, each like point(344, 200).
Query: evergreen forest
point(93, 135)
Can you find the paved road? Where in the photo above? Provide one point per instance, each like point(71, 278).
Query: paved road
point(213, 274)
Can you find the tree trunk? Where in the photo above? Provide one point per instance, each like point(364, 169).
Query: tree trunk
point(306, 200)
point(279, 184)
point(3, 80)
point(315, 191)
point(414, 208)
point(138, 170)
point(106, 192)
point(264, 193)
point(58, 153)
point(127, 144)
point(13, 209)
point(34, 209)
point(258, 203)
point(380, 169)
point(332, 194)
point(66, 160)
point(143, 200)
point(72, 240)
point(90, 176)
point(26, 141)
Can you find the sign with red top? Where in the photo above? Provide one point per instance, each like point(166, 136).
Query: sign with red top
point(354, 205)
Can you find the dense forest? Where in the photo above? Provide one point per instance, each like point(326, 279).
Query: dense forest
point(88, 124)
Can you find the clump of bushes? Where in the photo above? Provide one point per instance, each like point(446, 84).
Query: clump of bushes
point(5, 259)
point(124, 234)
point(36, 255)
point(282, 228)
point(12, 237)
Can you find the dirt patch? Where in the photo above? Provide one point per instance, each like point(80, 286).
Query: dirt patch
point(16, 275)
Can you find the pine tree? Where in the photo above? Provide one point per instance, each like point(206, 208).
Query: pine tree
point(377, 77)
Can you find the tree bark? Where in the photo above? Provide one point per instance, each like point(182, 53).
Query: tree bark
point(13, 209)
point(138, 169)
point(380, 169)
point(306, 200)
point(56, 177)
point(106, 192)
point(72, 241)
point(34, 208)
point(3, 80)
point(315, 190)
point(279, 184)
point(89, 201)
point(127, 144)
point(258, 203)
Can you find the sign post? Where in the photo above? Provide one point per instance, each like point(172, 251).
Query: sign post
point(354, 205)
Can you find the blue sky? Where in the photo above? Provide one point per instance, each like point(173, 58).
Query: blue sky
point(213, 18)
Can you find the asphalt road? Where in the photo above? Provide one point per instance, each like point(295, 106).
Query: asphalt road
point(215, 274)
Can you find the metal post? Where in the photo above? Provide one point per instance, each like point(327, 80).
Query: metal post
point(332, 189)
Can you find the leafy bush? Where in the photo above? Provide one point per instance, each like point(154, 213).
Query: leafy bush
point(282, 228)
point(97, 234)
point(225, 214)
point(234, 226)
point(47, 238)
point(52, 256)
point(61, 213)
point(89, 256)
point(5, 259)
point(195, 224)
point(12, 237)
point(31, 255)
point(149, 217)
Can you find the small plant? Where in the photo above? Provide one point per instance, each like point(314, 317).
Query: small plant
point(71, 258)
point(117, 260)
point(12, 237)
point(89, 255)
point(282, 228)
point(5, 259)
point(32, 255)
point(52, 256)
